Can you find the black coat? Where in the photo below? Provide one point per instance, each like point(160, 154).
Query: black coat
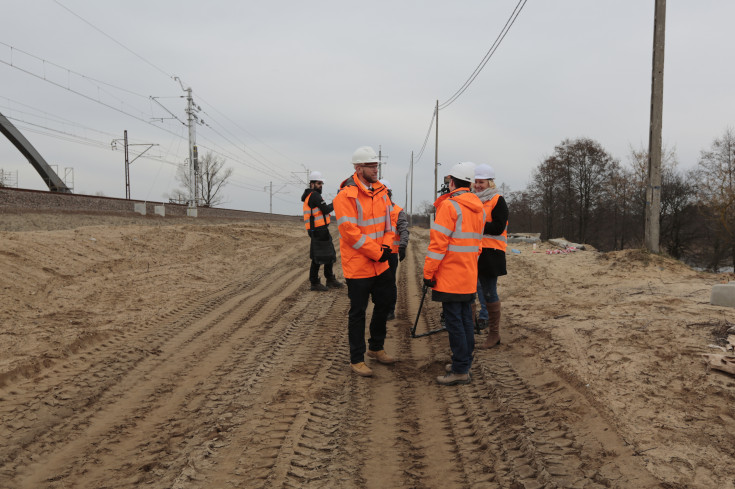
point(492, 261)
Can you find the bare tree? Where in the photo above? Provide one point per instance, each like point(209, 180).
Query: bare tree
point(212, 178)
point(716, 176)
point(570, 185)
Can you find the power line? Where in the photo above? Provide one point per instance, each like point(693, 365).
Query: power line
point(112, 39)
point(170, 76)
point(426, 139)
point(508, 24)
point(88, 97)
point(248, 132)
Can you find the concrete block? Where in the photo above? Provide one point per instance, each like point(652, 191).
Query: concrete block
point(191, 211)
point(159, 210)
point(723, 295)
point(140, 208)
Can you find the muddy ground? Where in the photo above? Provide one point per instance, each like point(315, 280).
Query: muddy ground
point(184, 353)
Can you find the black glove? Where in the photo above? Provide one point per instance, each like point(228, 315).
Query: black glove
point(401, 253)
point(386, 253)
point(429, 282)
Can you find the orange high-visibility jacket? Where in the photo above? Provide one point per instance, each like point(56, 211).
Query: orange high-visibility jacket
point(363, 221)
point(488, 240)
point(454, 245)
point(394, 225)
point(319, 218)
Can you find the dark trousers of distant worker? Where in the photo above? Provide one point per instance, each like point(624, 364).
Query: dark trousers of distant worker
point(360, 290)
point(319, 234)
point(461, 329)
point(393, 263)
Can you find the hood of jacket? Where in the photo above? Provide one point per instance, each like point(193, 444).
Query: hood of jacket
point(353, 182)
point(308, 191)
point(464, 197)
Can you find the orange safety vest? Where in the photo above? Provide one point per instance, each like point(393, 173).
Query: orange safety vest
point(363, 221)
point(319, 218)
point(454, 245)
point(488, 240)
point(394, 224)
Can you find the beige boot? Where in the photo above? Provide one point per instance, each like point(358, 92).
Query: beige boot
point(361, 369)
point(381, 356)
point(493, 326)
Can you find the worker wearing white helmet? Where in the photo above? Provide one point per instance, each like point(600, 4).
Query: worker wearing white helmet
point(316, 221)
point(362, 209)
point(399, 223)
point(491, 264)
point(450, 267)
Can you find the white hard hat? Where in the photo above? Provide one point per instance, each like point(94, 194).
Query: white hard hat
point(316, 176)
point(484, 172)
point(365, 154)
point(463, 171)
point(386, 183)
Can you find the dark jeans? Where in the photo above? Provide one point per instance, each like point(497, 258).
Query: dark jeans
point(359, 290)
point(314, 272)
point(393, 262)
point(489, 289)
point(461, 329)
point(480, 297)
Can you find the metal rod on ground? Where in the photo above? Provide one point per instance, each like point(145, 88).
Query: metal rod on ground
point(418, 315)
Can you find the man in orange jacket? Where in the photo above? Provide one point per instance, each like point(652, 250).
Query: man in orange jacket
point(362, 209)
point(450, 267)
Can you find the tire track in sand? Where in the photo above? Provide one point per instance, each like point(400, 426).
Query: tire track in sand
point(145, 387)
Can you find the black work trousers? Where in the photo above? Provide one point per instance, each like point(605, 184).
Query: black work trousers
point(321, 234)
point(314, 272)
point(360, 290)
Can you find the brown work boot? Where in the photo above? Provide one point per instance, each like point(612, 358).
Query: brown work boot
point(448, 369)
point(361, 369)
point(381, 356)
point(493, 326)
point(453, 379)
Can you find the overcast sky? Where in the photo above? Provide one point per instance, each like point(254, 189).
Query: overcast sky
point(287, 85)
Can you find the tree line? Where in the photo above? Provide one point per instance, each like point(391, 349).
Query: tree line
point(585, 195)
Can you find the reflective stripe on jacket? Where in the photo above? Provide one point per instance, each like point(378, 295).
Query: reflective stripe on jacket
point(488, 240)
point(363, 221)
point(454, 245)
point(319, 218)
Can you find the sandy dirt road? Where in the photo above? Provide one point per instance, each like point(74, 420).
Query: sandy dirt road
point(193, 355)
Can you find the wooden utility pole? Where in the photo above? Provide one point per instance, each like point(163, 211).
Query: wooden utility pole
point(410, 212)
point(436, 149)
point(653, 191)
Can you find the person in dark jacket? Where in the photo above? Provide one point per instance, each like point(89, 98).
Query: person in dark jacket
point(316, 221)
point(491, 264)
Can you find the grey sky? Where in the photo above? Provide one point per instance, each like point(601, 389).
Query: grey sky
point(298, 85)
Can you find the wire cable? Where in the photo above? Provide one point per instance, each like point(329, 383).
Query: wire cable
point(508, 24)
point(112, 38)
point(426, 139)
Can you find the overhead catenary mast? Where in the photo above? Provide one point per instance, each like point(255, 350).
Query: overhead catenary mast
point(193, 160)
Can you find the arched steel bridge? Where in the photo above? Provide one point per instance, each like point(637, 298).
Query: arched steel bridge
point(55, 184)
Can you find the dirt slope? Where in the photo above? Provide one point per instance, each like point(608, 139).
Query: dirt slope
point(186, 354)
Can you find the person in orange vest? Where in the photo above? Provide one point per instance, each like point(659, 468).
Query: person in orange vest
point(398, 246)
point(450, 267)
point(316, 220)
point(494, 243)
point(362, 209)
